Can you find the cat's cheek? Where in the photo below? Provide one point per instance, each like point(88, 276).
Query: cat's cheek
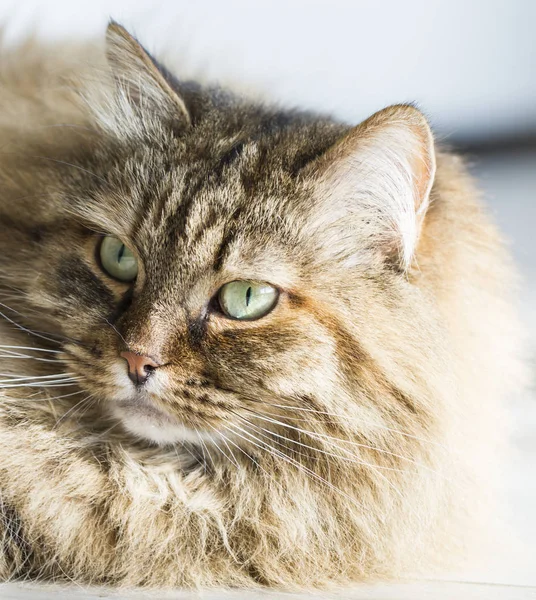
point(309, 375)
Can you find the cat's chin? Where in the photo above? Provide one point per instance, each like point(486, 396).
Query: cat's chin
point(151, 424)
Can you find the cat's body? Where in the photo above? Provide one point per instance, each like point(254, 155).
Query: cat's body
point(357, 420)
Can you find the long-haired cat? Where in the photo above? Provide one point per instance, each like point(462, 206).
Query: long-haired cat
point(239, 345)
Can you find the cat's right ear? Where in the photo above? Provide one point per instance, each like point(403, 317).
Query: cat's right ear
point(142, 85)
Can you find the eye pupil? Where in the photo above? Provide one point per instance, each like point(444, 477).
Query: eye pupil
point(121, 252)
point(248, 296)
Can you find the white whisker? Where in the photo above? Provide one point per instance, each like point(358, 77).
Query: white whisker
point(350, 442)
point(39, 385)
point(278, 454)
point(35, 377)
point(62, 396)
point(350, 458)
point(79, 404)
point(243, 451)
point(203, 448)
point(116, 331)
point(68, 164)
point(223, 453)
point(202, 451)
point(376, 468)
point(359, 419)
point(26, 330)
point(235, 462)
point(31, 348)
point(15, 356)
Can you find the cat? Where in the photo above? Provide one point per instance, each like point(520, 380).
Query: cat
point(240, 345)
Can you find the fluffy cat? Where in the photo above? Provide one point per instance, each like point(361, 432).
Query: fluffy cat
point(240, 345)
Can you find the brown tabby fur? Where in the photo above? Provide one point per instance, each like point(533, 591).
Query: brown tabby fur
point(345, 436)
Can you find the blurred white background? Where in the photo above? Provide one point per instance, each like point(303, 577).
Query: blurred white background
point(469, 64)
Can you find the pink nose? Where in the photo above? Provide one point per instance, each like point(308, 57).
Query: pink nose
point(139, 367)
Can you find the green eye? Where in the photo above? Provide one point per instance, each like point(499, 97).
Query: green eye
point(117, 260)
point(247, 300)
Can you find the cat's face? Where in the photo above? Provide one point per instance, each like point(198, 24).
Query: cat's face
point(234, 263)
point(223, 307)
point(218, 310)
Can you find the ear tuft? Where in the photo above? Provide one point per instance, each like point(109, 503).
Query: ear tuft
point(145, 96)
point(382, 171)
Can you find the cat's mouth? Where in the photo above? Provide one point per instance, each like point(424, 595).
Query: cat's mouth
point(166, 409)
point(165, 412)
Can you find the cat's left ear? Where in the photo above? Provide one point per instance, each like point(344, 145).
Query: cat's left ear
point(144, 85)
point(377, 180)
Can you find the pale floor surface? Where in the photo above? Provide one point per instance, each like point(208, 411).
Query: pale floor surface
point(510, 185)
point(431, 591)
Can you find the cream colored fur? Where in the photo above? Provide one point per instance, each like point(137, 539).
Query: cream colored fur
point(351, 435)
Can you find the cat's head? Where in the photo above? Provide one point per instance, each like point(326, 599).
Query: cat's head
point(214, 261)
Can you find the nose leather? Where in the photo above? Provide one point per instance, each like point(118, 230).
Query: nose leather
point(139, 366)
